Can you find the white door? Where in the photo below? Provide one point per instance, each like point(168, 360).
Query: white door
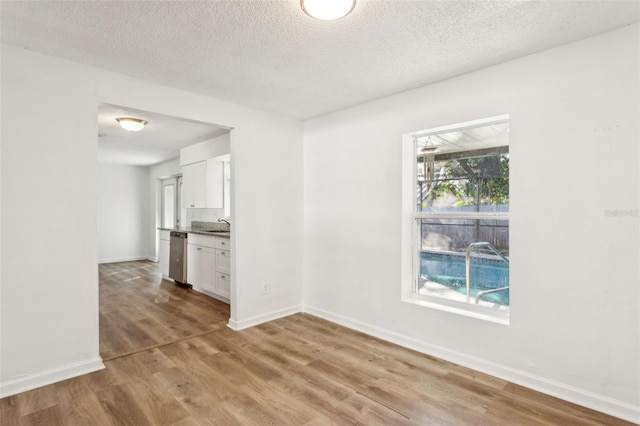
point(170, 202)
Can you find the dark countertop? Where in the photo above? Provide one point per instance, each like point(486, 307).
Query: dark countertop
point(198, 231)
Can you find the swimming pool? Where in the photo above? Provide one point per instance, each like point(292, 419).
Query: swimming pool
point(486, 273)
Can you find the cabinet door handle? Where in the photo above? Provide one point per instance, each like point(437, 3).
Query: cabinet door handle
point(199, 248)
point(223, 277)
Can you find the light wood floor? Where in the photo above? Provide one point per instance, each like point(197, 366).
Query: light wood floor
point(139, 310)
point(298, 370)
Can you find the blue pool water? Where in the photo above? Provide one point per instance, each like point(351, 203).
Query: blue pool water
point(449, 269)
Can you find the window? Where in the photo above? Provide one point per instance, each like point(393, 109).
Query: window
point(457, 199)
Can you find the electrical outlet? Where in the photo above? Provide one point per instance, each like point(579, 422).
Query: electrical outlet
point(265, 287)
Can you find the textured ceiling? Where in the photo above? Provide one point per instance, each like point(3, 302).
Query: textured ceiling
point(270, 55)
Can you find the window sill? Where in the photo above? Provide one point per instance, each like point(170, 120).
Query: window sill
point(472, 311)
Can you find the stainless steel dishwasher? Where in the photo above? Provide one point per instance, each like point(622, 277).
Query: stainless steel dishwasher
point(178, 257)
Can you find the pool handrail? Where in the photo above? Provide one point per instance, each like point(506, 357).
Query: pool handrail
point(493, 290)
point(467, 260)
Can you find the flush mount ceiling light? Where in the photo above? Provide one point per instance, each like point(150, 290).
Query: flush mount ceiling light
point(327, 10)
point(131, 124)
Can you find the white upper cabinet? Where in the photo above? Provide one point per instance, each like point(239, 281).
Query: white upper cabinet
point(215, 184)
point(203, 184)
point(194, 185)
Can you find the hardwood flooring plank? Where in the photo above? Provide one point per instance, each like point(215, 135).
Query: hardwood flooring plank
point(36, 400)
point(214, 381)
point(154, 360)
point(193, 394)
point(289, 345)
point(97, 380)
point(257, 365)
point(159, 405)
point(189, 421)
point(234, 371)
point(550, 410)
point(10, 411)
point(438, 401)
point(288, 411)
point(123, 406)
point(224, 340)
point(50, 416)
point(81, 408)
point(247, 411)
point(334, 399)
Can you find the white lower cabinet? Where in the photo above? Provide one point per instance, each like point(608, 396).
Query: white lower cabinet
point(223, 269)
point(223, 261)
point(209, 266)
point(164, 253)
point(201, 263)
point(223, 284)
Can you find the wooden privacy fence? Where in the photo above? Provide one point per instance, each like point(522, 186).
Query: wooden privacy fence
point(457, 234)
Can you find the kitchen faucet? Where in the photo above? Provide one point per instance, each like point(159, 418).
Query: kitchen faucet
point(225, 221)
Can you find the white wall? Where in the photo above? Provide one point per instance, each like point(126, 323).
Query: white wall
point(49, 285)
point(123, 213)
point(215, 147)
point(203, 215)
point(574, 134)
point(49, 306)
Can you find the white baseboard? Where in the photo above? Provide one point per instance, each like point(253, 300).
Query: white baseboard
point(259, 319)
point(124, 259)
point(563, 391)
point(47, 377)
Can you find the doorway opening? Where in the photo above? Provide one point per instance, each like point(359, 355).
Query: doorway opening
point(171, 202)
point(140, 190)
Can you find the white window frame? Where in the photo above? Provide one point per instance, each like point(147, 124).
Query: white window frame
point(411, 236)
